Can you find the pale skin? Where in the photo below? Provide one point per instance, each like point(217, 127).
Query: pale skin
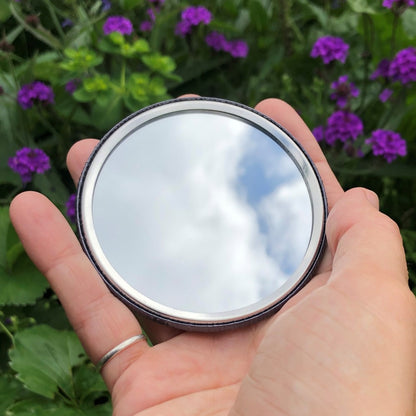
point(345, 345)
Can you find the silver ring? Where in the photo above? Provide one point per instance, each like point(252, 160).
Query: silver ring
point(118, 348)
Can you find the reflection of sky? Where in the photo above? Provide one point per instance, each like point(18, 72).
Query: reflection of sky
point(206, 215)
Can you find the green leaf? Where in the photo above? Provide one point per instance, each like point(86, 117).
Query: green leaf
point(361, 6)
point(23, 284)
point(138, 47)
point(41, 407)
point(83, 96)
point(159, 63)
point(44, 358)
point(4, 227)
point(5, 12)
point(117, 38)
point(258, 15)
point(317, 11)
point(409, 22)
point(105, 45)
point(80, 60)
point(10, 389)
point(130, 4)
point(145, 89)
point(97, 83)
point(88, 383)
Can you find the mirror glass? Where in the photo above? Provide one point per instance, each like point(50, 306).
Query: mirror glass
point(202, 211)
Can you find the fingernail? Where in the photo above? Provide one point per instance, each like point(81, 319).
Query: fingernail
point(372, 198)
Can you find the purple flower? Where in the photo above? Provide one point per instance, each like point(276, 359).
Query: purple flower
point(72, 85)
point(34, 92)
point(343, 125)
point(67, 23)
point(400, 5)
point(344, 90)
point(330, 48)
point(195, 15)
point(182, 28)
point(146, 26)
point(105, 5)
point(403, 66)
point(236, 48)
point(71, 207)
point(117, 24)
point(28, 161)
point(216, 41)
point(319, 133)
point(151, 14)
point(388, 144)
point(382, 69)
point(385, 95)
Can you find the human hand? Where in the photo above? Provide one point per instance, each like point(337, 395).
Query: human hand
point(345, 345)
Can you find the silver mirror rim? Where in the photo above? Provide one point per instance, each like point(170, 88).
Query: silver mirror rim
point(162, 313)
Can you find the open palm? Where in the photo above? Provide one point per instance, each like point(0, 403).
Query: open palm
point(319, 355)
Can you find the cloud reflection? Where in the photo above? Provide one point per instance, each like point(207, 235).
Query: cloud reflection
point(202, 212)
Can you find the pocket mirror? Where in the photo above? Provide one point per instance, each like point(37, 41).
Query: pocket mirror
point(201, 213)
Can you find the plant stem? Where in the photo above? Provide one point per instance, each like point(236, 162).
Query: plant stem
point(393, 33)
point(368, 43)
point(54, 18)
point(123, 75)
point(7, 332)
point(42, 35)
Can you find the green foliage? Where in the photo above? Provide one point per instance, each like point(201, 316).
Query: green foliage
point(52, 364)
point(117, 74)
point(20, 281)
point(43, 359)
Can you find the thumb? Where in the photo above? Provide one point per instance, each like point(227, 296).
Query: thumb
point(364, 243)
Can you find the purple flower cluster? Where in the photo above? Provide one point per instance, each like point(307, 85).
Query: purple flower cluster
point(147, 25)
point(72, 85)
point(382, 70)
point(70, 207)
point(319, 133)
point(34, 92)
point(28, 161)
point(236, 48)
point(343, 126)
point(192, 16)
point(67, 23)
point(105, 5)
point(330, 48)
point(398, 4)
point(403, 66)
point(344, 90)
point(117, 24)
point(388, 144)
point(385, 94)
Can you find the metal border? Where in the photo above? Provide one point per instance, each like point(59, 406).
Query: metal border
point(184, 319)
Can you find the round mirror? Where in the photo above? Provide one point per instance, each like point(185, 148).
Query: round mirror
point(201, 213)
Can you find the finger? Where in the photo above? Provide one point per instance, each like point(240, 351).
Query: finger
point(366, 244)
point(99, 319)
point(288, 118)
point(78, 155)
point(189, 96)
